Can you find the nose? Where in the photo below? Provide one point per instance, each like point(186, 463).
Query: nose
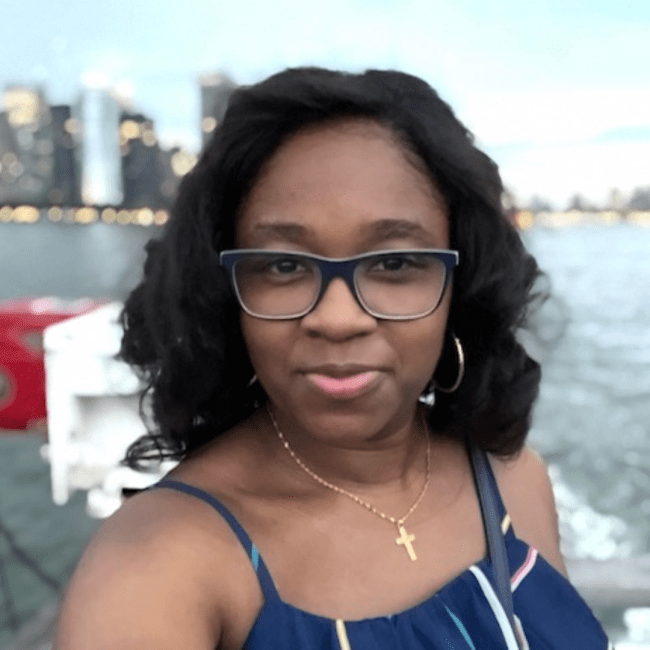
point(337, 315)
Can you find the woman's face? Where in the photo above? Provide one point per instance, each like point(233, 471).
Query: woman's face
point(338, 373)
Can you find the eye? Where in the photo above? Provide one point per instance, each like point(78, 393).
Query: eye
point(285, 266)
point(284, 269)
point(395, 263)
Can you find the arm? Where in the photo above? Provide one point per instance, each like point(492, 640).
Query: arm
point(528, 497)
point(162, 573)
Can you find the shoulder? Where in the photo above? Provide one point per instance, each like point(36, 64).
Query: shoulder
point(527, 494)
point(164, 572)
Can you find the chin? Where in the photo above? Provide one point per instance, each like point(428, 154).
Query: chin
point(354, 421)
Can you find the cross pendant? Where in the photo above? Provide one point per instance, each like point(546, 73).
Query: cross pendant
point(405, 540)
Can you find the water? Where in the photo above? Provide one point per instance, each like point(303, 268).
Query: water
point(70, 261)
point(592, 422)
point(593, 417)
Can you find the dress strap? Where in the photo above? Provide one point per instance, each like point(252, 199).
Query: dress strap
point(493, 512)
point(266, 582)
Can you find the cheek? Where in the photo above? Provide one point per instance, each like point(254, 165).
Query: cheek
point(267, 343)
point(254, 338)
point(420, 351)
point(420, 345)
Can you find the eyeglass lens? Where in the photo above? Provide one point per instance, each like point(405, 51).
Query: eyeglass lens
point(388, 285)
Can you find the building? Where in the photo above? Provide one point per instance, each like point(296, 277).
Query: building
point(26, 147)
point(66, 183)
point(9, 166)
point(216, 90)
point(141, 165)
point(95, 153)
point(99, 113)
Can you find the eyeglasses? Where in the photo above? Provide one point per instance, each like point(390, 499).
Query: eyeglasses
point(393, 285)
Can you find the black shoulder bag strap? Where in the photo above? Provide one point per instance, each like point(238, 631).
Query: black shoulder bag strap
point(492, 525)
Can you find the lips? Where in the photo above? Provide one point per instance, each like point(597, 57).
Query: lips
point(342, 381)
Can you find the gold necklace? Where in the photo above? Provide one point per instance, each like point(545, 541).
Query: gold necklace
point(405, 539)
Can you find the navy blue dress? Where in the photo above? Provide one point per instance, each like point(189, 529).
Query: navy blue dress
point(465, 614)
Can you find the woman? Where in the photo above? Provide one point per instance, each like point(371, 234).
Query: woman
point(329, 327)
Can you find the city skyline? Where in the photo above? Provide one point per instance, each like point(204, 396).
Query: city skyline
point(96, 151)
point(104, 152)
point(556, 93)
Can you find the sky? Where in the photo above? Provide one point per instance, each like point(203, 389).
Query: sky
point(557, 92)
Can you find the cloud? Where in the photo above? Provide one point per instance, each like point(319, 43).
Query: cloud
point(551, 78)
point(559, 171)
point(559, 115)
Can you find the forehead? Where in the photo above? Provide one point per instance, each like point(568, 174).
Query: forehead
point(343, 186)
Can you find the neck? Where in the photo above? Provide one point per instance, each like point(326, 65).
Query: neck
point(391, 459)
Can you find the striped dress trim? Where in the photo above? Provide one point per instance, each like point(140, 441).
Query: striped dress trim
point(342, 634)
point(461, 627)
point(497, 608)
point(519, 629)
point(255, 557)
point(505, 523)
point(525, 568)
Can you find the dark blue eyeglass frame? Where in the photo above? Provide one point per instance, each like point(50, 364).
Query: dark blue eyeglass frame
point(330, 268)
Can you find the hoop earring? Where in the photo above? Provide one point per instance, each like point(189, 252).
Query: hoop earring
point(461, 368)
point(252, 382)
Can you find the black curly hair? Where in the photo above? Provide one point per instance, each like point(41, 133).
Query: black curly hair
point(181, 324)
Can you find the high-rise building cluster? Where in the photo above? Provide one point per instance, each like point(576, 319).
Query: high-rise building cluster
point(215, 93)
point(97, 156)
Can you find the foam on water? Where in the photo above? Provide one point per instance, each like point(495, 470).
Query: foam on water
point(585, 533)
point(637, 622)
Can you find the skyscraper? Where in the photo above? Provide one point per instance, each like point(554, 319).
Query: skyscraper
point(66, 186)
point(101, 178)
point(26, 148)
point(141, 173)
point(215, 93)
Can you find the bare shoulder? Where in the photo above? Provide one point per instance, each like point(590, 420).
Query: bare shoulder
point(165, 571)
point(527, 493)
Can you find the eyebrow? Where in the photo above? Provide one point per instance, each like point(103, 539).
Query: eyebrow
point(377, 232)
point(386, 229)
point(287, 231)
